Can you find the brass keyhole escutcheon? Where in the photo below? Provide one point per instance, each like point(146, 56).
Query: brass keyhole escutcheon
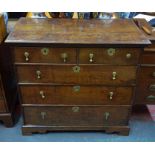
point(45, 51)
point(76, 69)
point(111, 51)
point(43, 114)
point(76, 88)
point(75, 109)
point(106, 114)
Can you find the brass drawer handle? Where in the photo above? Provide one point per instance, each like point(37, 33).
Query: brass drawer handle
point(150, 98)
point(38, 74)
point(76, 88)
point(128, 55)
point(42, 94)
point(111, 95)
point(106, 115)
point(153, 74)
point(152, 87)
point(43, 114)
point(75, 109)
point(44, 51)
point(91, 56)
point(76, 69)
point(64, 56)
point(114, 74)
point(111, 51)
point(26, 54)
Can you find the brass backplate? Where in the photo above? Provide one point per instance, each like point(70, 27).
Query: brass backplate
point(111, 51)
point(75, 109)
point(45, 51)
point(76, 69)
point(76, 88)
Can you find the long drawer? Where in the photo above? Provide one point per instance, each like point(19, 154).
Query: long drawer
point(81, 74)
point(76, 115)
point(78, 95)
point(115, 56)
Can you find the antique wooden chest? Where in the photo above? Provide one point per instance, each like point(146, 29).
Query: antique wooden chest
point(8, 88)
point(76, 74)
point(145, 93)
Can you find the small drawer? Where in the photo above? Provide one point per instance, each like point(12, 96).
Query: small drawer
point(146, 73)
point(76, 95)
point(148, 59)
point(77, 115)
point(2, 106)
point(82, 74)
point(113, 56)
point(44, 55)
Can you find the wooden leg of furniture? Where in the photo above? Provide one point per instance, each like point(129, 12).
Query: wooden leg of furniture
point(7, 119)
point(30, 129)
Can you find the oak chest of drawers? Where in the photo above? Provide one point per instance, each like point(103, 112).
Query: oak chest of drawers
point(76, 74)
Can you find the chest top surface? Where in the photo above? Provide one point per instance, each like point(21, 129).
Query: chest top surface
point(75, 31)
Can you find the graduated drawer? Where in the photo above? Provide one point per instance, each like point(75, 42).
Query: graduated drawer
point(76, 115)
point(115, 56)
point(2, 106)
point(44, 55)
point(72, 74)
point(78, 95)
point(145, 92)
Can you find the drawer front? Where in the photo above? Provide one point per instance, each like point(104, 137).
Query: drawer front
point(83, 74)
point(118, 56)
point(78, 95)
point(44, 55)
point(145, 92)
point(147, 73)
point(77, 115)
point(2, 106)
point(150, 48)
point(148, 59)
